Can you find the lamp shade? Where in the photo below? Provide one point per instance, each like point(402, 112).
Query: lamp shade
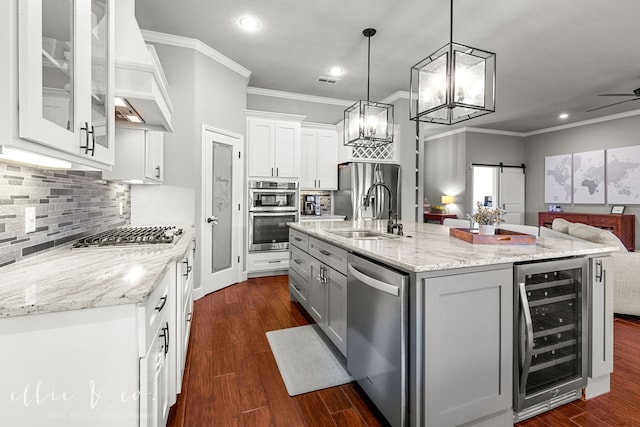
point(453, 84)
point(368, 124)
point(447, 200)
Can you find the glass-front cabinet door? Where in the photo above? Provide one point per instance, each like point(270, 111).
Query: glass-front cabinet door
point(66, 76)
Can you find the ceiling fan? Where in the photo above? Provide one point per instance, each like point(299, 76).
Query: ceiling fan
point(635, 94)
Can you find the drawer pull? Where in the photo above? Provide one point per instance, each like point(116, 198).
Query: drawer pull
point(163, 302)
point(297, 261)
point(323, 252)
point(298, 239)
point(277, 261)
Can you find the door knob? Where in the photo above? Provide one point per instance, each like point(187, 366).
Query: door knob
point(212, 219)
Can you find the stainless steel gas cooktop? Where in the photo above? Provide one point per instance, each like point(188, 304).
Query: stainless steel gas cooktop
point(122, 236)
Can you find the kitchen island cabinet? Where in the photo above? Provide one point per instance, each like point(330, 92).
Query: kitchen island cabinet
point(461, 322)
point(94, 344)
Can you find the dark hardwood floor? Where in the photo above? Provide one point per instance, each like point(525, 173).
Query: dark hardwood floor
point(231, 377)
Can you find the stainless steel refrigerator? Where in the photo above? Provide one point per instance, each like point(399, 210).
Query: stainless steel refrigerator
point(355, 179)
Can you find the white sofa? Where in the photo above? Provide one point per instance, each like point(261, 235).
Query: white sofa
point(626, 265)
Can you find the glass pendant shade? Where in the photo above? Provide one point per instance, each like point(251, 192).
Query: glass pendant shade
point(368, 124)
point(453, 84)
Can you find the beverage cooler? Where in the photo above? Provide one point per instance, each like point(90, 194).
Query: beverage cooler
point(550, 334)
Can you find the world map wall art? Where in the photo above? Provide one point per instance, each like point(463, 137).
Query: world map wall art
point(580, 177)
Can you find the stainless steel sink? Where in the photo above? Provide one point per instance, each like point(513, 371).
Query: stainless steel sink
point(363, 234)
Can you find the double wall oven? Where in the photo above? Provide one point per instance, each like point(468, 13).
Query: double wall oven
point(272, 204)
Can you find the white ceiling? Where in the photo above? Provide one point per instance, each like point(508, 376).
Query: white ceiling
point(552, 55)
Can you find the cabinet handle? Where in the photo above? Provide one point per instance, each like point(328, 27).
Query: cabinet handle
point(599, 271)
point(188, 268)
point(272, 172)
point(88, 132)
point(526, 341)
point(277, 172)
point(323, 252)
point(274, 261)
point(314, 183)
point(93, 141)
point(157, 169)
point(189, 317)
point(297, 261)
point(163, 302)
point(165, 337)
point(318, 183)
point(297, 239)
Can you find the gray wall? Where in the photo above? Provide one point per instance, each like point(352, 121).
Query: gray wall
point(445, 161)
point(406, 144)
point(448, 159)
point(202, 92)
point(316, 112)
point(610, 134)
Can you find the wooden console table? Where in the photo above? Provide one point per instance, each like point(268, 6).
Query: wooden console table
point(623, 226)
point(438, 217)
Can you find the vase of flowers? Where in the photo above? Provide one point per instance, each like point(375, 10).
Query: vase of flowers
point(487, 218)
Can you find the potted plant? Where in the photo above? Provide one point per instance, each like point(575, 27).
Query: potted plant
point(487, 218)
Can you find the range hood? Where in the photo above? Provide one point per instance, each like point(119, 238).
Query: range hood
point(141, 96)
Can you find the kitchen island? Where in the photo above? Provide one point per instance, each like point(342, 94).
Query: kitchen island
point(460, 311)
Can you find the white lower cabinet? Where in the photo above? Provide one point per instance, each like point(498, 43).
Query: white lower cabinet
point(319, 287)
point(104, 367)
point(259, 263)
point(184, 310)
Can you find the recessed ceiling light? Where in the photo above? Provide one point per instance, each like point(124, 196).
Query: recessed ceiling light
point(249, 23)
point(563, 116)
point(336, 71)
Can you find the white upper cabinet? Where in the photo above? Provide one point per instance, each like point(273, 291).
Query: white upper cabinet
point(66, 77)
point(273, 145)
point(139, 157)
point(319, 157)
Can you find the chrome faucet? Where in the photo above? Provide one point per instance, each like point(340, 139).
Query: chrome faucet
point(391, 225)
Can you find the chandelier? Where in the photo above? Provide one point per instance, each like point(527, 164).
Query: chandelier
point(366, 123)
point(453, 84)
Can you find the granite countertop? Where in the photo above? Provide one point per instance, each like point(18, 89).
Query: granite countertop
point(71, 279)
point(429, 247)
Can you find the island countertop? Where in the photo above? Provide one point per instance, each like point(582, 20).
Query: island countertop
point(429, 247)
point(70, 279)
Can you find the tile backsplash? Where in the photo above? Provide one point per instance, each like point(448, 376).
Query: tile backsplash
point(69, 204)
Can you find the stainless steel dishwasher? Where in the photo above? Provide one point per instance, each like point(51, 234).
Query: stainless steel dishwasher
point(377, 335)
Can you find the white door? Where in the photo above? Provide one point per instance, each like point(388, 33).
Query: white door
point(512, 194)
point(222, 210)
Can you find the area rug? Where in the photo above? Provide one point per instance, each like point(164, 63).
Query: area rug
point(306, 362)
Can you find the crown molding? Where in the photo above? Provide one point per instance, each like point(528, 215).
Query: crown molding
point(197, 45)
point(584, 123)
point(401, 94)
point(298, 96)
point(275, 116)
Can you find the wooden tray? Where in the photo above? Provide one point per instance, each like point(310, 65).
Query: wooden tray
point(502, 237)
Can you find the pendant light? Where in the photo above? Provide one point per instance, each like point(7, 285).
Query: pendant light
point(366, 123)
point(453, 84)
